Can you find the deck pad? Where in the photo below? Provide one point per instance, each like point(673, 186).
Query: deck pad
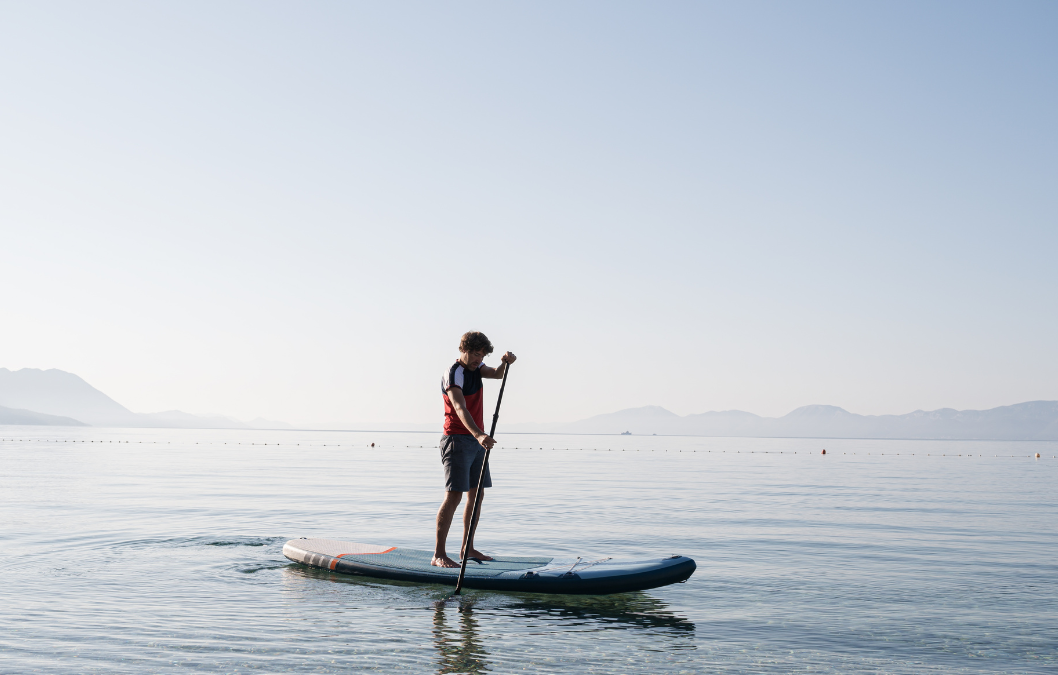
point(415, 559)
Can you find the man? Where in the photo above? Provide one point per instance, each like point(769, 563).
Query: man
point(463, 443)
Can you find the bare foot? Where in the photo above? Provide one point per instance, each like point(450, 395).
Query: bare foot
point(443, 561)
point(474, 553)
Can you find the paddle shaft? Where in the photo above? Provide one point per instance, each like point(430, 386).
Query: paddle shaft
point(481, 489)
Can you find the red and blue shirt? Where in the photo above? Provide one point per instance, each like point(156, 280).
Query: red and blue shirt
point(470, 382)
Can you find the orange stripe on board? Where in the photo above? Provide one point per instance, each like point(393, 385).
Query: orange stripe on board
point(391, 548)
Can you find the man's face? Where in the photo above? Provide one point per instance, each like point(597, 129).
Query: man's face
point(473, 359)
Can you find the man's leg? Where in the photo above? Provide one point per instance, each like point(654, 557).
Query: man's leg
point(467, 514)
point(444, 521)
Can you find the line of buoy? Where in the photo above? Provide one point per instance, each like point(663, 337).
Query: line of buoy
point(372, 445)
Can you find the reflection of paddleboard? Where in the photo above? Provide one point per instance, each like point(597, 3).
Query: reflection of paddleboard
point(505, 573)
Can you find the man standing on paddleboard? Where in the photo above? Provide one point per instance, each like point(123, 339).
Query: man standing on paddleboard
point(463, 443)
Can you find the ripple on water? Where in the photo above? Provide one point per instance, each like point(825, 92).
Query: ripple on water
point(152, 557)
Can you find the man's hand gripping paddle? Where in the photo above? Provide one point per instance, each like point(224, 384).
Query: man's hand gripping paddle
point(481, 489)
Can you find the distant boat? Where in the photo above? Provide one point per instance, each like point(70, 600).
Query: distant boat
point(626, 433)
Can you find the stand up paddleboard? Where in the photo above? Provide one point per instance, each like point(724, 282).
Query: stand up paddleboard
point(531, 575)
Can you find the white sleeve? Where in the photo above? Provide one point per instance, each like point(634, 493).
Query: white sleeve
point(457, 378)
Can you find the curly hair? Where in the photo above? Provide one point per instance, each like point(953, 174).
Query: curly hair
point(473, 341)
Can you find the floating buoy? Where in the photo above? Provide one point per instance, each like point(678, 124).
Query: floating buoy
point(824, 451)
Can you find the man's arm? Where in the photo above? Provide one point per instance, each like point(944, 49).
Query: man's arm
point(497, 373)
point(455, 395)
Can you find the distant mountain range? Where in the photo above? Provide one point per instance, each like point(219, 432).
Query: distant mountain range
point(18, 416)
point(55, 397)
point(1035, 420)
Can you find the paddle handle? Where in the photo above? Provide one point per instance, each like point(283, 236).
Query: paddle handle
point(499, 400)
point(481, 489)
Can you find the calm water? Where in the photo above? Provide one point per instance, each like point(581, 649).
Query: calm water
point(156, 551)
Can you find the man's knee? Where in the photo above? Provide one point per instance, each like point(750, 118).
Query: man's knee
point(452, 498)
point(472, 497)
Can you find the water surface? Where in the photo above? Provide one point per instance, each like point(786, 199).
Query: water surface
point(156, 551)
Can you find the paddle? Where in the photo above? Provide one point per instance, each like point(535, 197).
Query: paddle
point(481, 489)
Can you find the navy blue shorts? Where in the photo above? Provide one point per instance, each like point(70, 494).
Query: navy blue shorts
point(462, 457)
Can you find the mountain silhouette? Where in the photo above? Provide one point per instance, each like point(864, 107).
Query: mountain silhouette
point(1033, 420)
point(17, 416)
point(56, 397)
point(56, 392)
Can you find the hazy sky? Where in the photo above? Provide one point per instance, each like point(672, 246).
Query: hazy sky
point(293, 210)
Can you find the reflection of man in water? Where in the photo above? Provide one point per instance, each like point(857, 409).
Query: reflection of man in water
point(463, 444)
point(459, 653)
